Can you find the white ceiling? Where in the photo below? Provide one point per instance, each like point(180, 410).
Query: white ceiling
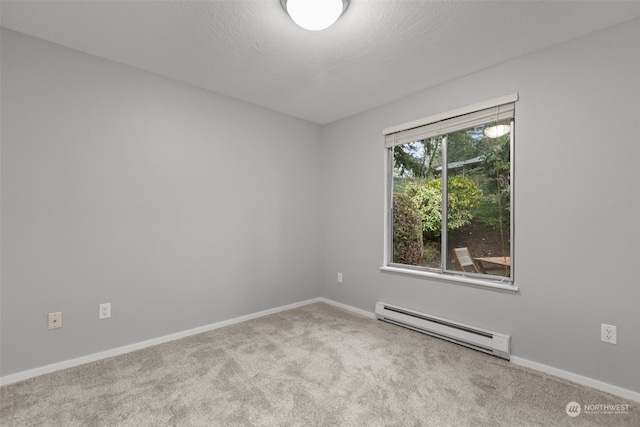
point(377, 52)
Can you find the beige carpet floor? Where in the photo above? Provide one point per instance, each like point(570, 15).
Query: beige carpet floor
point(317, 365)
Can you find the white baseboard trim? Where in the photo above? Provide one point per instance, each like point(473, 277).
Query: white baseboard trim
point(579, 379)
point(24, 375)
point(13, 378)
point(589, 382)
point(369, 314)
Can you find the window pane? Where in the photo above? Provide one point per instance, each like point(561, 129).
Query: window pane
point(417, 203)
point(478, 200)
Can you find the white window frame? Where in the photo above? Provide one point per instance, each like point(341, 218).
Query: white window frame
point(447, 275)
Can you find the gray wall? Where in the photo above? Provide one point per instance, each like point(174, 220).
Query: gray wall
point(182, 207)
point(179, 206)
point(577, 189)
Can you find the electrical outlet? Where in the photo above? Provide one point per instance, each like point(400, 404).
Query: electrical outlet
point(339, 277)
point(55, 320)
point(608, 333)
point(105, 310)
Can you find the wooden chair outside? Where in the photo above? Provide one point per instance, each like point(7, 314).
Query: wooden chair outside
point(463, 259)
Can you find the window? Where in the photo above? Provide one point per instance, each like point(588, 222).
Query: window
point(466, 158)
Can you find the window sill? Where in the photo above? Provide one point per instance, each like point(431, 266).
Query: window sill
point(451, 278)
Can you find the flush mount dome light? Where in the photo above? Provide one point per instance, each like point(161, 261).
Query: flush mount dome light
point(315, 15)
point(497, 131)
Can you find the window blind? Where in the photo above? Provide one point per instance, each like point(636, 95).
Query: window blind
point(442, 126)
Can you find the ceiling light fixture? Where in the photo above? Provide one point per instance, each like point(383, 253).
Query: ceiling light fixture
point(315, 15)
point(497, 131)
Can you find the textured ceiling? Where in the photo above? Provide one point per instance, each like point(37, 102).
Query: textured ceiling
point(251, 50)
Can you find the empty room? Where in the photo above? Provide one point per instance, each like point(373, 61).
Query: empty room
point(320, 213)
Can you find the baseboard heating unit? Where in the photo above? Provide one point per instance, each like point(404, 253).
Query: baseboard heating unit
point(469, 336)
